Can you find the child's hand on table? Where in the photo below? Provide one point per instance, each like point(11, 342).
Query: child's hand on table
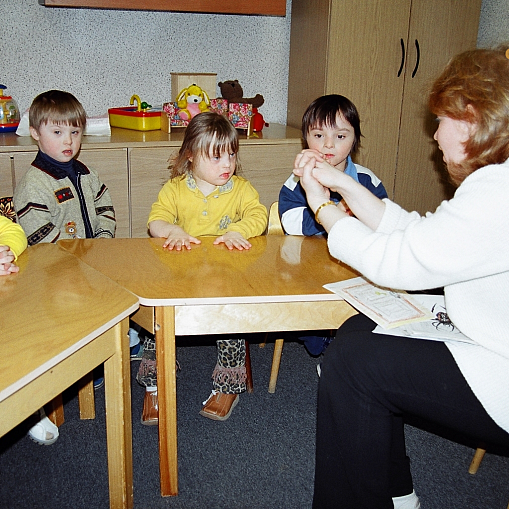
point(233, 240)
point(6, 261)
point(178, 239)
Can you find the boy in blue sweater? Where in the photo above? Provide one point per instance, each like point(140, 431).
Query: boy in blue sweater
point(331, 130)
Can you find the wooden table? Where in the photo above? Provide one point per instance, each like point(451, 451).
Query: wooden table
point(275, 286)
point(60, 319)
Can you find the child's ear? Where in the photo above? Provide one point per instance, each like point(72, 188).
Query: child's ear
point(34, 133)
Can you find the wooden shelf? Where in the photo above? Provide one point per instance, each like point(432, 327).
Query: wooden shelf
point(261, 7)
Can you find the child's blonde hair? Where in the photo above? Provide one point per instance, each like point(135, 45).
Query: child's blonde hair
point(206, 133)
point(59, 107)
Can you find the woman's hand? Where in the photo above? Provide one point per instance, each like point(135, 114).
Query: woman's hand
point(316, 193)
point(233, 240)
point(304, 157)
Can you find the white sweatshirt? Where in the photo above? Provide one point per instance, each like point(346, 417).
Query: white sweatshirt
point(463, 246)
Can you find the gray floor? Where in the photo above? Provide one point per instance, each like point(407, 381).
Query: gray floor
point(261, 458)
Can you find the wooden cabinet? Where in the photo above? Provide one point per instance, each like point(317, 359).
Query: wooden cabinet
point(5, 175)
point(134, 166)
point(111, 165)
point(266, 162)
point(267, 7)
point(383, 55)
point(149, 172)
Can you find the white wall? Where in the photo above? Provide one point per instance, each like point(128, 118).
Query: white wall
point(494, 23)
point(104, 57)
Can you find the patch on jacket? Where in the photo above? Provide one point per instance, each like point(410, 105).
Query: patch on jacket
point(64, 194)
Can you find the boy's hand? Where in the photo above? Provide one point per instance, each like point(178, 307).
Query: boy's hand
point(233, 240)
point(180, 240)
point(305, 157)
point(6, 261)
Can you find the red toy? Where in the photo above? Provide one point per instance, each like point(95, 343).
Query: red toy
point(258, 121)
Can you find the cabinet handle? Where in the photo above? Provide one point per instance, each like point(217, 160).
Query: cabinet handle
point(402, 57)
point(418, 51)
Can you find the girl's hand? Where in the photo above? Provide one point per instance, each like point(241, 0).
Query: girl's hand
point(8, 268)
point(233, 240)
point(7, 265)
point(180, 240)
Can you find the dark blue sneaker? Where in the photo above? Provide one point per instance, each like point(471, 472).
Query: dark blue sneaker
point(316, 345)
point(98, 383)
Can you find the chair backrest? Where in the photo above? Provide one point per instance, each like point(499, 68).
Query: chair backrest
point(7, 208)
point(274, 227)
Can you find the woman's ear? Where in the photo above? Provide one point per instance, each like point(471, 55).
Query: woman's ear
point(471, 119)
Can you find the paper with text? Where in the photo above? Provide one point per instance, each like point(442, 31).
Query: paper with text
point(388, 308)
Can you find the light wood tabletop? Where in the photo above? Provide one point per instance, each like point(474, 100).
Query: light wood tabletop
point(274, 286)
point(60, 319)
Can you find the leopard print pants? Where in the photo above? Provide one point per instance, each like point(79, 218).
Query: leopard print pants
point(229, 375)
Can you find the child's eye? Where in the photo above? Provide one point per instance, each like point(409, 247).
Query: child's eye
point(232, 154)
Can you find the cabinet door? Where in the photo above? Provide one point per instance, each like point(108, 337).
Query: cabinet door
point(148, 173)
point(441, 29)
point(111, 166)
point(267, 167)
point(21, 161)
point(5, 175)
point(353, 50)
point(365, 60)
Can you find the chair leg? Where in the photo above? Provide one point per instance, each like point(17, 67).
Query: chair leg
point(476, 460)
point(55, 411)
point(249, 374)
point(276, 360)
point(86, 396)
point(262, 345)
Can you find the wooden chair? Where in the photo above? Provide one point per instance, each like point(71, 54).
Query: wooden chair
point(476, 460)
point(55, 408)
point(274, 228)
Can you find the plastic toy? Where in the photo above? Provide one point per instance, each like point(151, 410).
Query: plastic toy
point(9, 112)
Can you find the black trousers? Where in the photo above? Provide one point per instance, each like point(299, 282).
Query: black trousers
point(368, 382)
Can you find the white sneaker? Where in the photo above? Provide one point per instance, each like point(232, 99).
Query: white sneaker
point(407, 502)
point(44, 432)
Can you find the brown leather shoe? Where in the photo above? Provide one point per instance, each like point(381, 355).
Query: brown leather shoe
point(150, 413)
point(219, 406)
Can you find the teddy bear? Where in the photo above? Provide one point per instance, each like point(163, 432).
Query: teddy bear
point(232, 91)
point(191, 101)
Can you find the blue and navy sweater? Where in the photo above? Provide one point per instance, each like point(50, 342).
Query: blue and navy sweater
point(296, 216)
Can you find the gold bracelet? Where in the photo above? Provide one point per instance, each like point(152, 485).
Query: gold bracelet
point(327, 203)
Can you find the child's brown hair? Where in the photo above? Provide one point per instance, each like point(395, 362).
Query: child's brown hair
point(56, 106)
point(206, 133)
